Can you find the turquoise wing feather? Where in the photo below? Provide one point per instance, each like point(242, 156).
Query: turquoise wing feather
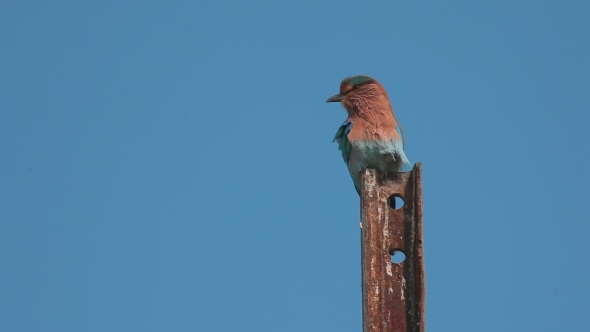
point(343, 142)
point(345, 147)
point(399, 130)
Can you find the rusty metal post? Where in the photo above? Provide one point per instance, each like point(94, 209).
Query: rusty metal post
point(393, 294)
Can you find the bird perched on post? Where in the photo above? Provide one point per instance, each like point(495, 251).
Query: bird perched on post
point(370, 137)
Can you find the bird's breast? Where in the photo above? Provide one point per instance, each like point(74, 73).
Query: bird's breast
point(373, 129)
point(384, 155)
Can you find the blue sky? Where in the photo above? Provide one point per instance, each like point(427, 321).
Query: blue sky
point(168, 166)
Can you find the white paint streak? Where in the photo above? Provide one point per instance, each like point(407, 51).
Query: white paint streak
point(371, 182)
point(388, 269)
point(386, 223)
point(403, 288)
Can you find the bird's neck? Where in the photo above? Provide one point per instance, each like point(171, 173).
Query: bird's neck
point(370, 109)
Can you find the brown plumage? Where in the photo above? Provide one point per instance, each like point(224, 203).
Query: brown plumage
point(370, 136)
point(369, 107)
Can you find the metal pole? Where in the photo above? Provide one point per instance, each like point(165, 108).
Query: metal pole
point(393, 293)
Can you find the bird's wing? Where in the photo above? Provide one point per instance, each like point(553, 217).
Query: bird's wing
point(399, 130)
point(404, 165)
point(342, 138)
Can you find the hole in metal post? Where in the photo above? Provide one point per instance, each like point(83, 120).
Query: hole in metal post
point(397, 256)
point(395, 201)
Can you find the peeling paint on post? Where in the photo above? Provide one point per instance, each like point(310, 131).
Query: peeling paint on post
point(393, 293)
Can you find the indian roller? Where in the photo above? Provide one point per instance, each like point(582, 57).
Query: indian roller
point(370, 137)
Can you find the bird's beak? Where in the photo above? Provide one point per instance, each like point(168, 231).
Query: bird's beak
point(335, 98)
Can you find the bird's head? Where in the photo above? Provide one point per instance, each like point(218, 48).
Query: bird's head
point(358, 91)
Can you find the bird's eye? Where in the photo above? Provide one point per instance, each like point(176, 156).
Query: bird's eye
point(356, 87)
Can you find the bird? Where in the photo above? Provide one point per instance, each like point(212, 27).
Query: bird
point(371, 136)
